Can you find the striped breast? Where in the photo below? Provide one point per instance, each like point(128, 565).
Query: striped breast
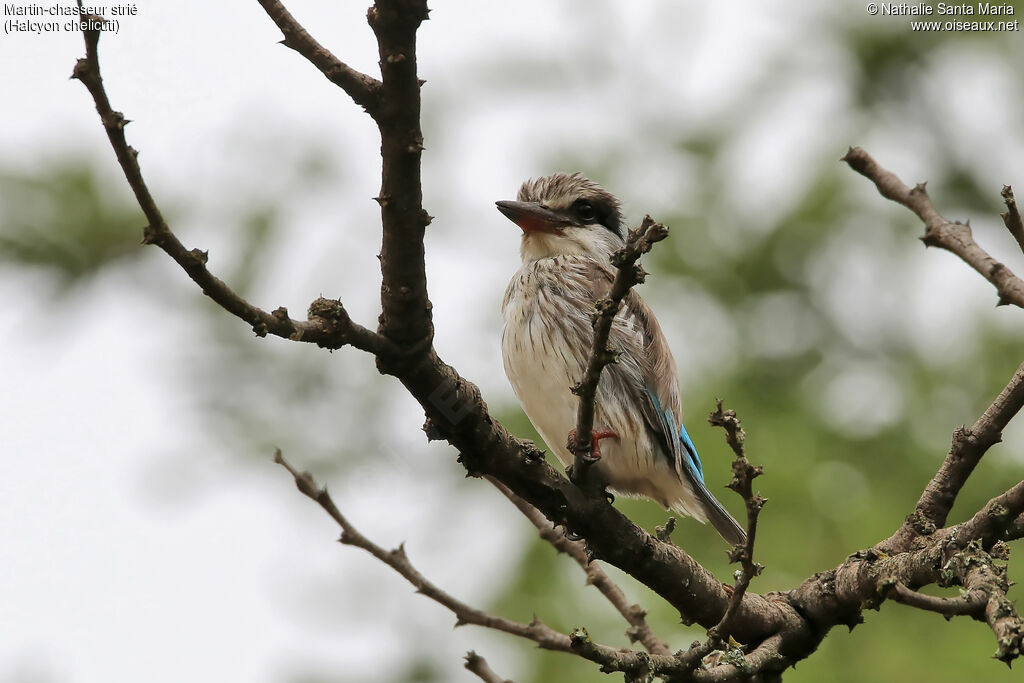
point(548, 333)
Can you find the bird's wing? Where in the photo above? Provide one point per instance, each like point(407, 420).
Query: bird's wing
point(646, 369)
point(662, 410)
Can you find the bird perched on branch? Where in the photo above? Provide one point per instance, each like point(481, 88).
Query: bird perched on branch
point(570, 228)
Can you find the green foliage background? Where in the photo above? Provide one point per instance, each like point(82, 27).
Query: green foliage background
point(835, 482)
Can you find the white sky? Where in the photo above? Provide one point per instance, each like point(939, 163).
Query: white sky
point(127, 553)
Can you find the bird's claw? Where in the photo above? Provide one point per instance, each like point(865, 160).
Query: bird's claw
point(595, 443)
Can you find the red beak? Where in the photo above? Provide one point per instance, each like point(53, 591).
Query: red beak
point(532, 217)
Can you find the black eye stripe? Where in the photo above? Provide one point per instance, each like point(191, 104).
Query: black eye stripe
point(593, 210)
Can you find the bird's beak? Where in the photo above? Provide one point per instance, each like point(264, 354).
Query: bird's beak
point(532, 217)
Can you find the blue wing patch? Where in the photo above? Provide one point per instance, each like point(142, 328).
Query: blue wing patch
point(692, 461)
point(691, 450)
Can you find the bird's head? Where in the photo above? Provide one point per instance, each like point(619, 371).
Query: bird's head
point(566, 214)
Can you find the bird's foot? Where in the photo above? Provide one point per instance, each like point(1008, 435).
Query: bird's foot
point(595, 442)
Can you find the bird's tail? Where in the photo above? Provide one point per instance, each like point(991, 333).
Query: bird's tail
point(724, 523)
point(710, 510)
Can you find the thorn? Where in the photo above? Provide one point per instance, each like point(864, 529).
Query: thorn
point(432, 431)
point(664, 533)
point(148, 235)
point(80, 70)
point(400, 551)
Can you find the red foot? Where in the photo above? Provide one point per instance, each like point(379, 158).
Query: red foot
point(595, 445)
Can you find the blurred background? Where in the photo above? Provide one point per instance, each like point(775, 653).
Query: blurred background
point(147, 534)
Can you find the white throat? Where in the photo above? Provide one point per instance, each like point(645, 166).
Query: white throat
point(597, 243)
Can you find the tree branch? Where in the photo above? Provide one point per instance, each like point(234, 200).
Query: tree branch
point(578, 642)
point(968, 446)
point(970, 603)
point(1012, 218)
point(630, 273)
point(362, 88)
point(1014, 530)
point(742, 483)
point(766, 658)
point(635, 615)
point(478, 666)
point(329, 325)
point(406, 310)
point(939, 232)
point(999, 516)
point(985, 584)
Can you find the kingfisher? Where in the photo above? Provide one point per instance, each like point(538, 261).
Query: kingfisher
point(571, 227)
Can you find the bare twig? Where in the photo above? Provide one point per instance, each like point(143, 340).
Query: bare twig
point(968, 446)
point(544, 636)
point(986, 583)
point(992, 522)
point(765, 659)
point(742, 483)
point(329, 324)
point(939, 232)
point(639, 630)
point(478, 666)
point(630, 273)
point(362, 88)
point(405, 308)
point(1012, 218)
point(971, 603)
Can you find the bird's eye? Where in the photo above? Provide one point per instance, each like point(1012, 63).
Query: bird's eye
point(585, 211)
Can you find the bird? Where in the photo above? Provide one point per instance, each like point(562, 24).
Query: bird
point(570, 228)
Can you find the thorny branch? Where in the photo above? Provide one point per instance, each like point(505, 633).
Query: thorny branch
point(969, 444)
point(792, 622)
point(479, 667)
point(577, 642)
point(639, 630)
point(630, 273)
point(363, 89)
point(398, 560)
point(939, 232)
point(1012, 218)
point(328, 325)
point(742, 483)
